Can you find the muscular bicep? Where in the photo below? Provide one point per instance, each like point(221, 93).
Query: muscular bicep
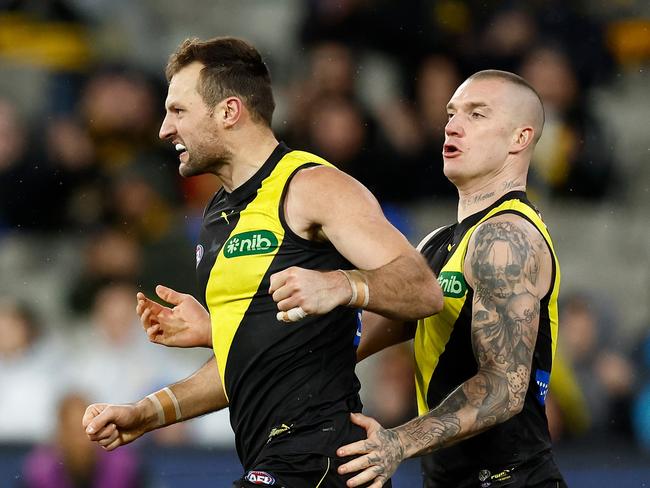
point(326, 202)
point(509, 267)
point(401, 285)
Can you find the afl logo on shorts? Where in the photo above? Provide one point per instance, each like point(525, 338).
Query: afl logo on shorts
point(199, 254)
point(260, 478)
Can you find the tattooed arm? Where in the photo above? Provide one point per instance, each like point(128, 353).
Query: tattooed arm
point(509, 266)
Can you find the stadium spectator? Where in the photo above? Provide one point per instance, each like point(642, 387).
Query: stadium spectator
point(574, 157)
point(107, 255)
point(506, 38)
point(47, 185)
point(112, 336)
point(603, 371)
point(25, 184)
point(566, 407)
point(328, 116)
point(118, 108)
point(28, 355)
point(341, 131)
point(330, 73)
point(503, 34)
point(143, 205)
point(77, 192)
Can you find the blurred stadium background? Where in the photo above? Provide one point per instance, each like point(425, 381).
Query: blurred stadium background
point(92, 208)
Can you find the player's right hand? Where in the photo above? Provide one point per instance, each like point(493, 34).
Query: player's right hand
point(112, 426)
point(186, 324)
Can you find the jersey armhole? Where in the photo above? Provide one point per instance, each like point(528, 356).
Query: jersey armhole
point(288, 232)
point(430, 236)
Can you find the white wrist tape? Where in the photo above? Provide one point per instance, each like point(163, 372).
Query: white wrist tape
point(167, 406)
point(359, 285)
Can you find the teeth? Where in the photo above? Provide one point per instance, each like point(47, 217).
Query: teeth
point(180, 148)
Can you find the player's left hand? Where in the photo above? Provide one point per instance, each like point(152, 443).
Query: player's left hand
point(185, 324)
point(382, 452)
point(308, 292)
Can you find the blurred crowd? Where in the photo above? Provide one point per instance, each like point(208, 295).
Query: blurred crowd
point(92, 208)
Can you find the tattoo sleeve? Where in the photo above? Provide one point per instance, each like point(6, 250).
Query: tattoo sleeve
point(505, 260)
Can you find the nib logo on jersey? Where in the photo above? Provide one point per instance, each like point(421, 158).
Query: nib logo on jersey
point(452, 284)
point(260, 478)
point(251, 242)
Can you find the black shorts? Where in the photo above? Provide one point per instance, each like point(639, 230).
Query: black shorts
point(544, 484)
point(538, 472)
point(297, 471)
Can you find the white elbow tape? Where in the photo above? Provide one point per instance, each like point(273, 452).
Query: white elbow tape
point(167, 406)
point(359, 285)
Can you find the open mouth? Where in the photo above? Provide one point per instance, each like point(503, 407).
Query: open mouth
point(450, 151)
point(180, 149)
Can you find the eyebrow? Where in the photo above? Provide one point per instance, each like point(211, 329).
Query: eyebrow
point(469, 105)
point(171, 104)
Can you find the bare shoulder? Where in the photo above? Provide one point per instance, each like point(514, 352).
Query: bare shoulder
point(320, 193)
point(323, 183)
point(510, 226)
point(508, 249)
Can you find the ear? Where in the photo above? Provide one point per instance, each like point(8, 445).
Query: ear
point(522, 139)
point(229, 111)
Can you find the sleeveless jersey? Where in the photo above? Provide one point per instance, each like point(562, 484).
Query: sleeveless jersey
point(445, 359)
point(279, 378)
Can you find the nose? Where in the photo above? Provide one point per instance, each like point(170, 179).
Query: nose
point(454, 126)
point(166, 129)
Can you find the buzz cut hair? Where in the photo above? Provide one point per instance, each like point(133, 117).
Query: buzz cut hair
point(231, 67)
point(515, 80)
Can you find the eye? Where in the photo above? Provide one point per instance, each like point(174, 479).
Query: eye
point(486, 271)
point(449, 116)
point(477, 115)
point(513, 271)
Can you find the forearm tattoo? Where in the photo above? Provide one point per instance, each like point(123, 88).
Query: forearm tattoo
point(505, 264)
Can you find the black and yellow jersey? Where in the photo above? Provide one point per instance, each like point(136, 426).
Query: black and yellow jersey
point(445, 359)
point(280, 378)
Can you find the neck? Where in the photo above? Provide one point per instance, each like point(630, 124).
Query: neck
point(249, 150)
point(474, 198)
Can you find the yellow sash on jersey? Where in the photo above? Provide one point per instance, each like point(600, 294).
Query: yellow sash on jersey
point(234, 281)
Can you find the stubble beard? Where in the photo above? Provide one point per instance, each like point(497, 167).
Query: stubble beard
point(200, 164)
point(188, 169)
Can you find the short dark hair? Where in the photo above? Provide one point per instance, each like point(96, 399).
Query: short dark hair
point(232, 67)
point(512, 78)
